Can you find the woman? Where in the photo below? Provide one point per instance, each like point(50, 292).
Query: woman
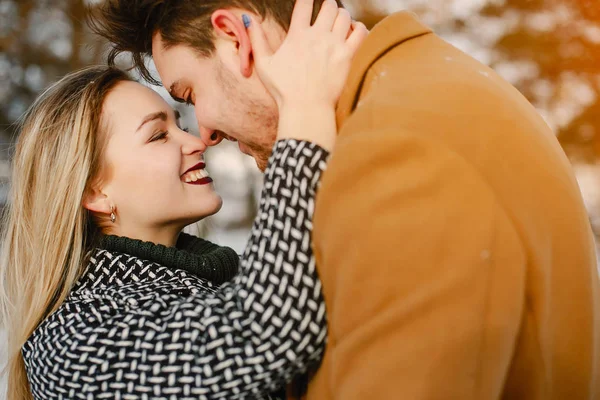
point(104, 297)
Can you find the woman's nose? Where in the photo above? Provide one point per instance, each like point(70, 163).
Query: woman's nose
point(193, 144)
point(210, 137)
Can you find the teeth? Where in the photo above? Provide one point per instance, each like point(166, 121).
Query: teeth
point(193, 176)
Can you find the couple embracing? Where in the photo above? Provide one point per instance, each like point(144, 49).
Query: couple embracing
point(420, 233)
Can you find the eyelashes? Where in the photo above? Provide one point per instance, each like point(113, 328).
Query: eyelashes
point(159, 136)
point(164, 135)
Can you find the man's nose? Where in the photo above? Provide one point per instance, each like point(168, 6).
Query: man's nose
point(210, 137)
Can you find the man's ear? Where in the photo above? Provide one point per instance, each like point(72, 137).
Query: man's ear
point(229, 26)
point(96, 201)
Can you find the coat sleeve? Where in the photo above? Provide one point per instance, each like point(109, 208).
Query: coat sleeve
point(423, 273)
point(244, 341)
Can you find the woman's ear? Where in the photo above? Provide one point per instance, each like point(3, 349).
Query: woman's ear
point(97, 202)
point(229, 26)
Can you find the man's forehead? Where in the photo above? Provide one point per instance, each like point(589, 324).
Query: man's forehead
point(162, 60)
point(170, 72)
point(157, 41)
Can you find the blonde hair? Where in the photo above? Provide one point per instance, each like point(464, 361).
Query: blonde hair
point(46, 231)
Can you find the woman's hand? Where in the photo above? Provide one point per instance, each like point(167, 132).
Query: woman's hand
point(307, 73)
point(313, 62)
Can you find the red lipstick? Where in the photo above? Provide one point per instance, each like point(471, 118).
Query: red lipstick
point(202, 181)
point(200, 165)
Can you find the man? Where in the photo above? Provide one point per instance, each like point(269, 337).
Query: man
point(451, 238)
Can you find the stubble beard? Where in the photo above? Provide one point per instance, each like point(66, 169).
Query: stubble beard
point(266, 126)
point(257, 119)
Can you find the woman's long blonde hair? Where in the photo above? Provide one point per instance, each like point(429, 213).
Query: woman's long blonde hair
point(46, 231)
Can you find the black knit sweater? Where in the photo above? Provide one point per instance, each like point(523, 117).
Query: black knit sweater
point(206, 260)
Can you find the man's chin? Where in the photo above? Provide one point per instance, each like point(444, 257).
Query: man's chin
point(261, 164)
point(260, 159)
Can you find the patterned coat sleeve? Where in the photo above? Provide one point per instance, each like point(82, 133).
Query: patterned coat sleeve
point(273, 313)
point(243, 341)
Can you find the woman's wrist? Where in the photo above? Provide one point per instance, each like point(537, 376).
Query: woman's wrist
point(314, 123)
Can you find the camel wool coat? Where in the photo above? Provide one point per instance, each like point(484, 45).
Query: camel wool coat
point(450, 235)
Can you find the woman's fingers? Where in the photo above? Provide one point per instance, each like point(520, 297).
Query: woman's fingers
point(359, 33)
point(327, 16)
point(343, 24)
point(302, 15)
point(258, 39)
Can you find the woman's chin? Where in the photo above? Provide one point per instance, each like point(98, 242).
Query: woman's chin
point(216, 207)
point(208, 211)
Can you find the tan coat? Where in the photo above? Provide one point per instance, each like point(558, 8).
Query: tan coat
point(455, 251)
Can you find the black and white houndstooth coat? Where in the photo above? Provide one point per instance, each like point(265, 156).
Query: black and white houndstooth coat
point(134, 329)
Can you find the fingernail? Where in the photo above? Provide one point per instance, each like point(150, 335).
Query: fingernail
point(246, 20)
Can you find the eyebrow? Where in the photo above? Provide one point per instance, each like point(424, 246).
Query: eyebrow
point(162, 115)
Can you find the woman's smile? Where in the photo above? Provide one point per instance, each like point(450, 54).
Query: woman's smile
point(197, 175)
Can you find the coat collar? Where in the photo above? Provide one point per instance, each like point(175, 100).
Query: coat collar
point(389, 33)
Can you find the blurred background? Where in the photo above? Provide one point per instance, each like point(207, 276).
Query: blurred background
point(549, 49)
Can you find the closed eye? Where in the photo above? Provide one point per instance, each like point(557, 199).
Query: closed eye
point(159, 136)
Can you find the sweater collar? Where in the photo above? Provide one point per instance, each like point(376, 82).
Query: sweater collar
point(201, 258)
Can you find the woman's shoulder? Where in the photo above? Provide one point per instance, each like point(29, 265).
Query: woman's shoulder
point(112, 285)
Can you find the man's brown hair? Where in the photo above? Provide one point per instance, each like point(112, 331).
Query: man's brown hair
point(130, 24)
